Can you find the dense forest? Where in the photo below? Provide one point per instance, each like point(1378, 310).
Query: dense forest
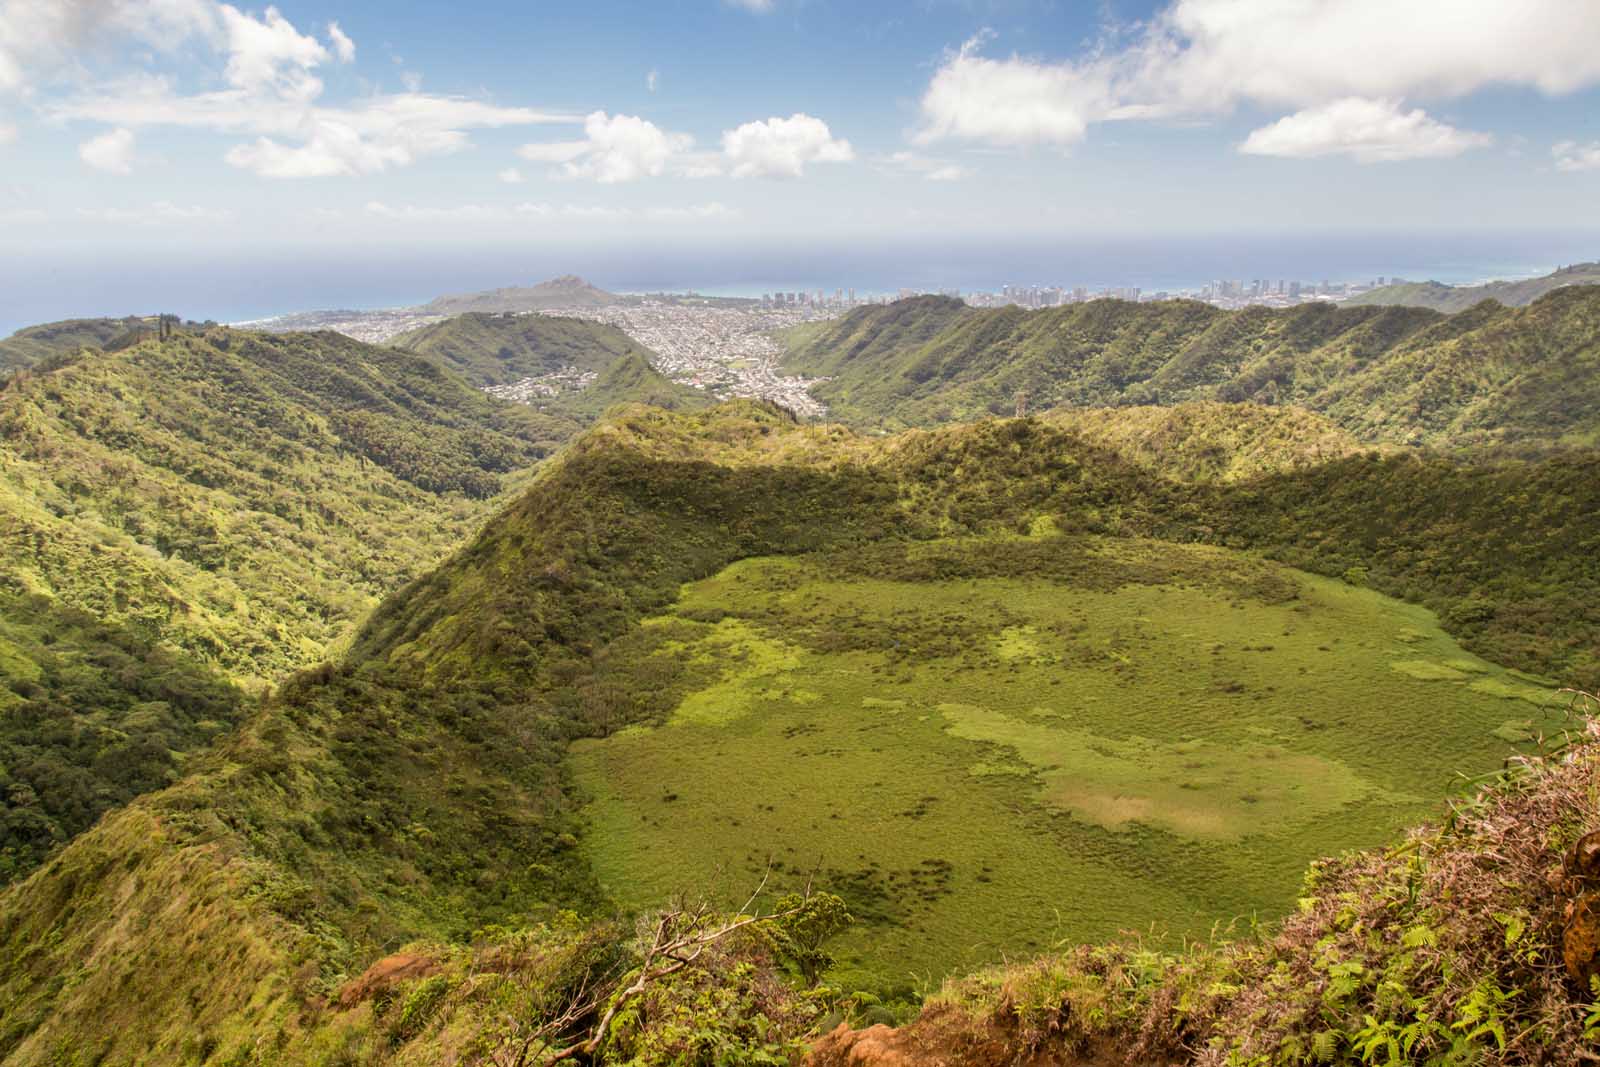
point(189, 520)
point(1490, 375)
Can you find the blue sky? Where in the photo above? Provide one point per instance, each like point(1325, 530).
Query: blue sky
point(199, 124)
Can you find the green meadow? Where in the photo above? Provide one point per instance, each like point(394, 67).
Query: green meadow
point(991, 746)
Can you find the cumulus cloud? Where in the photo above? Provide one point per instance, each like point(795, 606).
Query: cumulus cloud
point(512, 176)
point(40, 37)
point(111, 152)
point(1013, 101)
point(1371, 131)
point(8, 133)
point(759, 7)
point(616, 148)
point(782, 148)
point(1572, 156)
point(267, 89)
point(1199, 58)
point(299, 140)
point(343, 46)
point(652, 79)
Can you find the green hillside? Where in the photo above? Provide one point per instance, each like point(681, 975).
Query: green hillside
point(1453, 298)
point(34, 344)
point(218, 509)
point(566, 291)
point(417, 798)
point(1211, 441)
point(498, 349)
point(630, 379)
point(1488, 375)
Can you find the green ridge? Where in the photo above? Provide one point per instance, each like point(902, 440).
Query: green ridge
point(1488, 375)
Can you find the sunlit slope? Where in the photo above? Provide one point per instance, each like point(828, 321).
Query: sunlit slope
point(216, 508)
point(986, 745)
point(496, 349)
point(1489, 374)
point(1211, 441)
point(32, 345)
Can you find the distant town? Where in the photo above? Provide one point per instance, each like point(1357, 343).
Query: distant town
point(1224, 293)
point(727, 346)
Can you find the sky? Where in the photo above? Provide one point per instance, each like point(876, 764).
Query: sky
point(172, 128)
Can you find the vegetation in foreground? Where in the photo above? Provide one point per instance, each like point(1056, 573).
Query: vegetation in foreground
point(414, 794)
point(1488, 376)
point(1471, 942)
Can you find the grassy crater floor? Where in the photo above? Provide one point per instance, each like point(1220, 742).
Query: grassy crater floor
point(987, 746)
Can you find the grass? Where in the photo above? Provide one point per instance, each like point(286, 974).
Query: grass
point(1135, 734)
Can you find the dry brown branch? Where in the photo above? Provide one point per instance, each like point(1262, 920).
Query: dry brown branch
point(679, 938)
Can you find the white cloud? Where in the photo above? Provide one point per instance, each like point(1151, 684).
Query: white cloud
point(413, 213)
point(652, 79)
point(512, 176)
point(268, 87)
point(1197, 58)
point(268, 55)
point(8, 133)
point(425, 214)
point(759, 7)
point(343, 46)
point(712, 210)
point(40, 37)
point(1572, 156)
point(595, 211)
point(781, 148)
point(929, 168)
point(111, 151)
point(1012, 101)
point(22, 216)
point(298, 140)
point(553, 151)
point(617, 148)
point(161, 213)
point(1371, 131)
point(1301, 52)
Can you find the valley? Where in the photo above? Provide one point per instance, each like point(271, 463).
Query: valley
point(991, 746)
point(317, 655)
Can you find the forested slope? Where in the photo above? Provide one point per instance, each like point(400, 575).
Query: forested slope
point(1490, 375)
point(497, 349)
point(215, 510)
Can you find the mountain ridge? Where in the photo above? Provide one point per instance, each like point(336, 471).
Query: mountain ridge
point(1487, 376)
point(568, 290)
point(1452, 298)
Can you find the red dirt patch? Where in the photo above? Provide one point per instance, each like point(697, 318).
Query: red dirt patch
point(386, 974)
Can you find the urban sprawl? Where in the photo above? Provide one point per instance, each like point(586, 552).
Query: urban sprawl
point(727, 347)
point(1222, 292)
